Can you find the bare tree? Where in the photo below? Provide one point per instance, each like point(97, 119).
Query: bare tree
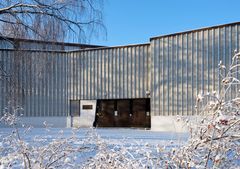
point(51, 19)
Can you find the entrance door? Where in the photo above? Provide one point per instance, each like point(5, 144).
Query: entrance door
point(123, 110)
point(140, 113)
point(123, 113)
point(105, 113)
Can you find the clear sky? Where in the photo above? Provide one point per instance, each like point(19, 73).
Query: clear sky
point(135, 21)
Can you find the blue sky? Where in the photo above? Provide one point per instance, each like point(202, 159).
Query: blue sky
point(135, 21)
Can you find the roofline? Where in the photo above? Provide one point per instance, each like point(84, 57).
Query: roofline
point(78, 50)
point(36, 50)
point(48, 42)
point(111, 47)
point(195, 30)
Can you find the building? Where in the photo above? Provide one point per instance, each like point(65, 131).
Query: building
point(29, 44)
point(143, 85)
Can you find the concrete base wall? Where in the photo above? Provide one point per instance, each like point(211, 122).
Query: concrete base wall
point(58, 122)
point(158, 123)
point(79, 122)
point(167, 124)
point(55, 122)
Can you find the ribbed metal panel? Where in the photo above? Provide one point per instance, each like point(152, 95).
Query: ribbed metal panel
point(114, 73)
point(45, 82)
point(185, 64)
point(175, 68)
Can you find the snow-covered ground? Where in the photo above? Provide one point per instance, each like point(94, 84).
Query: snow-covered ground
point(114, 134)
point(134, 144)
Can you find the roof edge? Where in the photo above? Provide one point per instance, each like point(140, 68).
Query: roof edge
point(195, 30)
point(49, 42)
point(111, 47)
point(78, 50)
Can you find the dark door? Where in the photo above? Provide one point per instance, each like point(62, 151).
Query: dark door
point(105, 113)
point(123, 112)
point(140, 113)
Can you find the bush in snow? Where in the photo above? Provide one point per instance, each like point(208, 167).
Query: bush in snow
point(215, 136)
point(42, 152)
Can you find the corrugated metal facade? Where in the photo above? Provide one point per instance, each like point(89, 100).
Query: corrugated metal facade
point(175, 68)
point(186, 64)
point(45, 82)
point(30, 44)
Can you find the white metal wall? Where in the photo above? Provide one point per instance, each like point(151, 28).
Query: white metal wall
point(186, 64)
point(44, 82)
point(175, 68)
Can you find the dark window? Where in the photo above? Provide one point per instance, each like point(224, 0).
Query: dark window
point(1, 64)
point(75, 107)
point(87, 107)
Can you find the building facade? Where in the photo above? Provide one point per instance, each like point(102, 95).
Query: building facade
point(144, 85)
point(29, 44)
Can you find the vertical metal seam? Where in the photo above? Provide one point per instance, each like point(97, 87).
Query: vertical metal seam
point(144, 72)
point(135, 72)
point(197, 49)
point(202, 61)
point(192, 73)
point(163, 99)
point(177, 62)
point(112, 73)
point(173, 71)
point(139, 71)
point(230, 53)
point(182, 66)
point(187, 113)
point(237, 43)
point(213, 59)
point(208, 73)
point(168, 76)
point(219, 87)
point(157, 54)
point(122, 54)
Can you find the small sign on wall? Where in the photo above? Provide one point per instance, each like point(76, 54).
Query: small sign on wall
point(87, 107)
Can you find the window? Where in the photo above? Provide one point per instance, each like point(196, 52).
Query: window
point(75, 107)
point(1, 64)
point(87, 107)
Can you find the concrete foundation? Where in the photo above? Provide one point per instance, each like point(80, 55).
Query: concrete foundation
point(167, 124)
point(158, 123)
point(58, 122)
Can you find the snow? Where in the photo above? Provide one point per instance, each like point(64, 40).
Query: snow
point(103, 143)
point(114, 135)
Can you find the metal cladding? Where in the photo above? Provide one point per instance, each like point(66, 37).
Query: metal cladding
point(45, 82)
point(186, 64)
point(171, 71)
point(30, 44)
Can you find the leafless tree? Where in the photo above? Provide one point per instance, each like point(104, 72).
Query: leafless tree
point(51, 19)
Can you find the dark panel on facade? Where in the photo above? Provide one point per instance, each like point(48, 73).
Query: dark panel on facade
point(140, 113)
point(105, 113)
point(74, 108)
point(123, 113)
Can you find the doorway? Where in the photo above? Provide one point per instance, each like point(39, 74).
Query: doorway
point(123, 113)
